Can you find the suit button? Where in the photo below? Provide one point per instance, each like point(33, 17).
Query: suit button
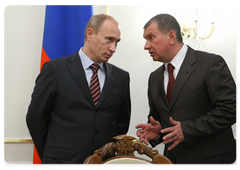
point(170, 113)
point(96, 131)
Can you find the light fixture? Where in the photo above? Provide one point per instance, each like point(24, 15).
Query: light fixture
point(195, 30)
point(197, 25)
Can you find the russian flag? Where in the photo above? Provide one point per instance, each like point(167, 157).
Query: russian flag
point(63, 35)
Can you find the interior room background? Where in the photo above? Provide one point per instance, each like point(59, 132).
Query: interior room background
point(23, 33)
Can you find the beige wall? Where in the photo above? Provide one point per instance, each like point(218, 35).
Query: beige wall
point(23, 31)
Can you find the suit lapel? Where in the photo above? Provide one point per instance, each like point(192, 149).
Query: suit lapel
point(185, 71)
point(75, 67)
point(109, 83)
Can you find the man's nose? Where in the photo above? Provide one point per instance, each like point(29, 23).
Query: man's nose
point(113, 47)
point(146, 46)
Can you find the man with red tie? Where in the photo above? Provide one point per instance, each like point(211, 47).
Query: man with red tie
point(192, 98)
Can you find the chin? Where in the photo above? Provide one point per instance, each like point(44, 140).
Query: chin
point(155, 59)
point(104, 61)
point(107, 59)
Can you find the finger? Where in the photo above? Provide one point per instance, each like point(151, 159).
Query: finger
point(138, 126)
point(169, 136)
point(167, 130)
point(152, 120)
point(168, 139)
point(172, 121)
point(142, 138)
point(139, 132)
point(175, 143)
point(146, 141)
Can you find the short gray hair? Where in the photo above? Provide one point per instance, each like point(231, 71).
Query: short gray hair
point(96, 22)
point(166, 23)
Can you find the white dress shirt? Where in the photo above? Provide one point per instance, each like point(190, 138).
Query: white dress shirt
point(176, 62)
point(86, 63)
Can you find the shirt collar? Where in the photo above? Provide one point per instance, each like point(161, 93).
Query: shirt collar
point(86, 61)
point(178, 59)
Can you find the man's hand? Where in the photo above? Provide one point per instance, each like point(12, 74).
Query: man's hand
point(174, 135)
point(148, 131)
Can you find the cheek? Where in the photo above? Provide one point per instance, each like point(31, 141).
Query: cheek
point(98, 43)
point(159, 46)
point(98, 47)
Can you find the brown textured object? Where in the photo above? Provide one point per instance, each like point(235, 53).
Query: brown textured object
point(125, 148)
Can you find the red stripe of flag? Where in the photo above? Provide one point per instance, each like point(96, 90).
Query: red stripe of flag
point(63, 35)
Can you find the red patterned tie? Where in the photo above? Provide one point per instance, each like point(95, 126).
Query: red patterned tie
point(170, 82)
point(94, 84)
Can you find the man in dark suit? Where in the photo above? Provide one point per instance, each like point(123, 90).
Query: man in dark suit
point(194, 121)
point(66, 122)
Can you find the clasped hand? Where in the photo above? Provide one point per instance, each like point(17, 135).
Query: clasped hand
point(152, 130)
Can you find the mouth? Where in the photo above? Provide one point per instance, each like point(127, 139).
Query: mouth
point(108, 55)
point(151, 54)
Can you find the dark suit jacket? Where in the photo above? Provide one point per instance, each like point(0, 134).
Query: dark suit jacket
point(204, 100)
point(62, 119)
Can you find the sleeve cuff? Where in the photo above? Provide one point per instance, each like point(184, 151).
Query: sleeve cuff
point(156, 141)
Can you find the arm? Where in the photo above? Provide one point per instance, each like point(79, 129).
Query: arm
point(39, 110)
point(150, 131)
point(154, 113)
point(125, 113)
point(222, 92)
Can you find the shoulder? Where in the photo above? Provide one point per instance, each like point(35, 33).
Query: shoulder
point(116, 68)
point(201, 59)
point(58, 62)
point(159, 70)
point(205, 56)
point(210, 60)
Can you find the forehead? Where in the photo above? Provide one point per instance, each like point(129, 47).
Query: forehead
point(110, 28)
point(152, 29)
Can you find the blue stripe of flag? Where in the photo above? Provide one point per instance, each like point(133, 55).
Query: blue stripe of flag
point(64, 29)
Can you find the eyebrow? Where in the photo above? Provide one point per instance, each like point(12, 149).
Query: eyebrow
point(117, 40)
point(148, 35)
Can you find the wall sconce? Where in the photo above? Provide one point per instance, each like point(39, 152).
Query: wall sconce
point(192, 31)
point(197, 25)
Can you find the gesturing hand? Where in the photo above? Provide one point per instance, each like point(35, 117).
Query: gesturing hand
point(148, 131)
point(174, 135)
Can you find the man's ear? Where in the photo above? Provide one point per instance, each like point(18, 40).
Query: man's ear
point(172, 36)
point(90, 33)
